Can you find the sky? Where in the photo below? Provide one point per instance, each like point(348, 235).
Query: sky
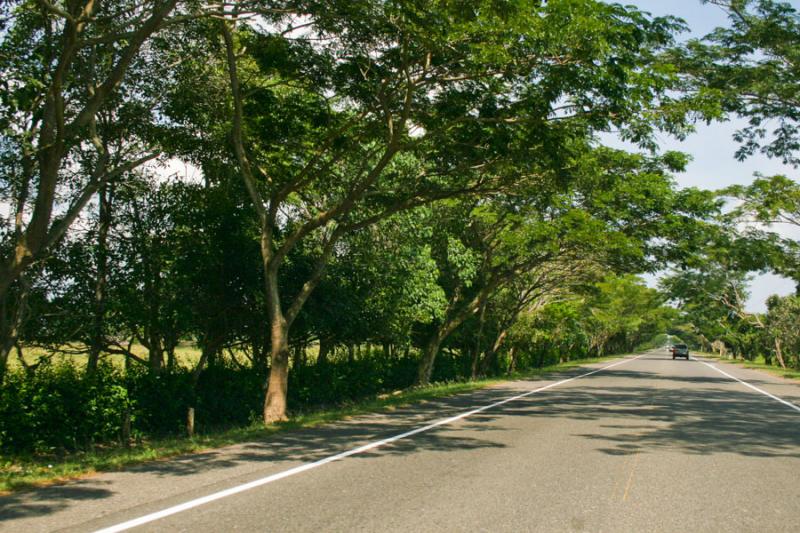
point(712, 147)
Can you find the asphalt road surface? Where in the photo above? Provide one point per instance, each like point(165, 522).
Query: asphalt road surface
point(642, 444)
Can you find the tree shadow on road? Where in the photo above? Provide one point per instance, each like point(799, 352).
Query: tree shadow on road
point(276, 453)
point(51, 499)
point(697, 419)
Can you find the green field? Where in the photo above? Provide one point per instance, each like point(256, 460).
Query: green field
point(187, 353)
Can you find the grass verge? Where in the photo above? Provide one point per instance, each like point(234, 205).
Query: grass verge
point(757, 364)
point(20, 473)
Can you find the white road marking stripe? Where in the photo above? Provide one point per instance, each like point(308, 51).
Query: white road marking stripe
point(746, 384)
point(308, 466)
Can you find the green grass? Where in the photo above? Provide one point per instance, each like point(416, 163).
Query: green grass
point(757, 364)
point(19, 473)
point(187, 354)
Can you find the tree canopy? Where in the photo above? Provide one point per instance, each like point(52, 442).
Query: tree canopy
point(386, 193)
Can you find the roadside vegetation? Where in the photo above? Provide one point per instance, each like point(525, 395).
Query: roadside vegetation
point(23, 471)
point(372, 197)
point(756, 74)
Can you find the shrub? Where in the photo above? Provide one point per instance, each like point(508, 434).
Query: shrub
point(58, 408)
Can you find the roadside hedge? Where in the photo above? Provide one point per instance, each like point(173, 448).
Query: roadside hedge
point(59, 408)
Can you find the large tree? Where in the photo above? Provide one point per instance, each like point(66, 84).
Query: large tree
point(81, 83)
point(72, 117)
point(608, 211)
point(391, 105)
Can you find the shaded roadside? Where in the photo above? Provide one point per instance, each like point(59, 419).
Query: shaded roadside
point(791, 374)
point(26, 473)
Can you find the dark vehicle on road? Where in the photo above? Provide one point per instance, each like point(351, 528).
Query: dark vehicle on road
point(680, 350)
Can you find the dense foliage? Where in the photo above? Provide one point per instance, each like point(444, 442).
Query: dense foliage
point(750, 69)
point(58, 407)
point(382, 194)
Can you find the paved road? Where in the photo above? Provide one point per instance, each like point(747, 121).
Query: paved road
point(650, 444)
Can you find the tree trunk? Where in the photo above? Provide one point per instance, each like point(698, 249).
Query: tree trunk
point(454, 318)
point(7, 333)
point(489, 359)
point(155, 352)
point(152, 333)
point(512, 364)
point(325, 346)
point(425, 369)
point(97, 341)
point(171, 361)
point(779, 353)
point(450, 324)
point(299, 356)
point(210, 350)
point(170, 343)
point(477, 354)
point(260, 346)
point(29, 369)
point(278, 380)
point(12, 311)
point(5, 351)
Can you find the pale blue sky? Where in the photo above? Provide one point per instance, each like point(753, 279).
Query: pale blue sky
point(713, 165)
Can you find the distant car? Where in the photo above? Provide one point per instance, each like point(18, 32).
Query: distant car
point(680, 350)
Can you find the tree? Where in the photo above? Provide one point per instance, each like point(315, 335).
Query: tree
point(381, 285)
point(409, 109)
point(483, 247)
point(712, 286)
point(769, 200)
point(616, 314)
point(772, 201)
point(550, 333)
point(751, 68)
point(625, 313)
point(68, 112)
point(525, 295)
point(783, 316)
point(80, 87)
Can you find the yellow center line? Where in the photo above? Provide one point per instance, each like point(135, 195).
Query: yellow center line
point(637, 454)
point(630, 477)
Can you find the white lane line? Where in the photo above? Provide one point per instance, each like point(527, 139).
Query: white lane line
point(308, 466)
point(746, 384)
